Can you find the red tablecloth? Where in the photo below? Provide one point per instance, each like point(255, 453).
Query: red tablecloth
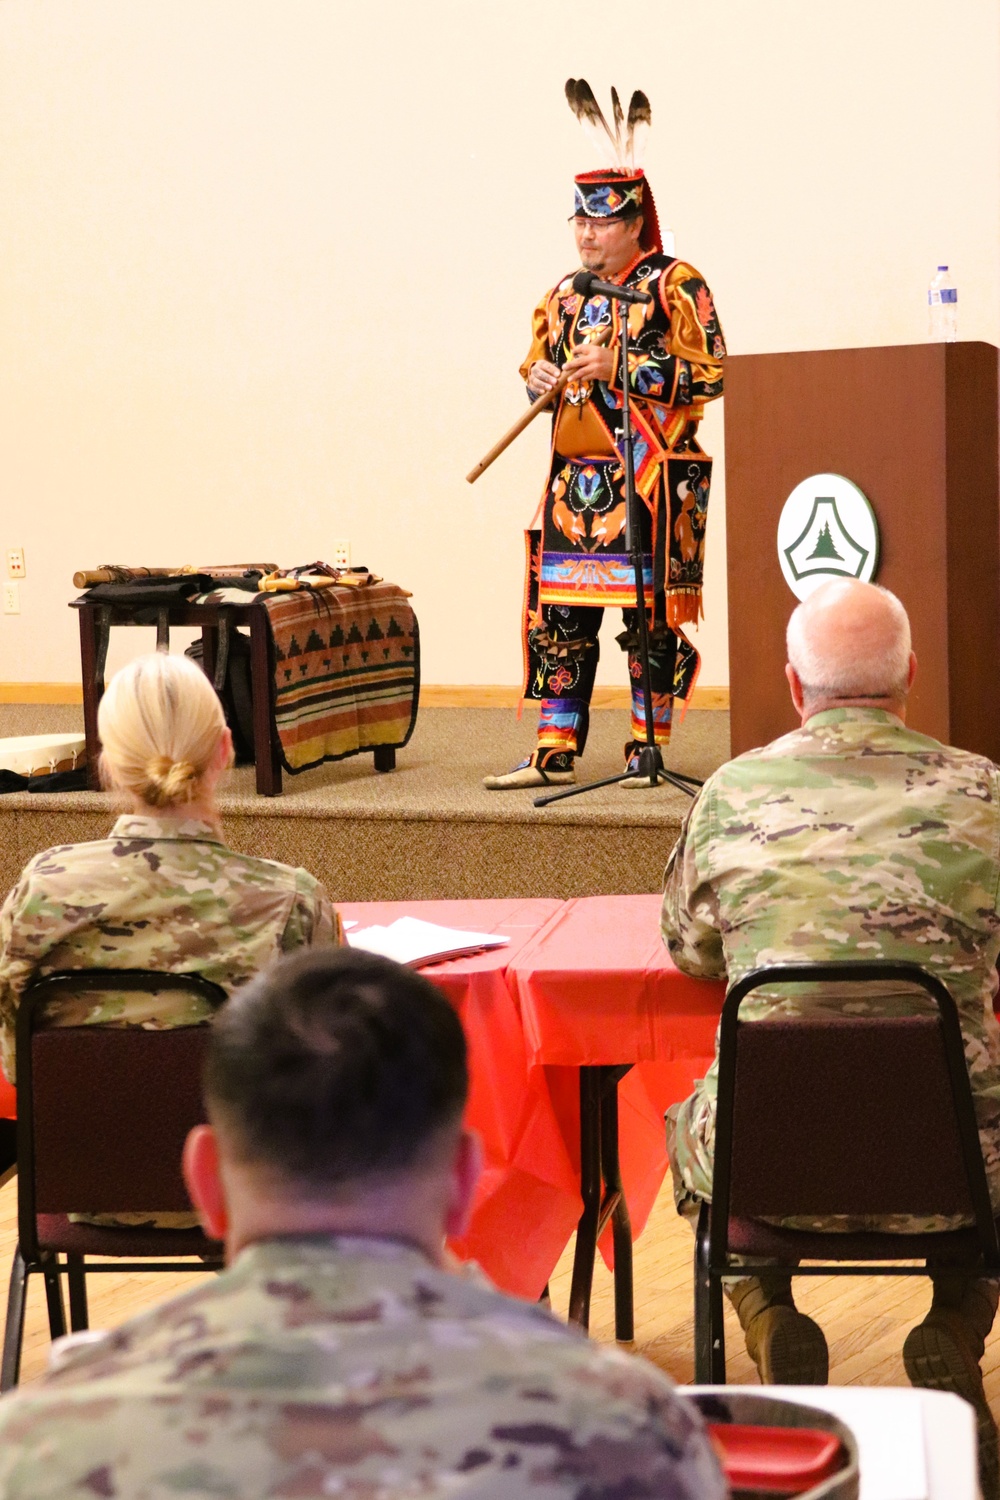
point(528, 1191)
point(584, 981)
point(598, 986)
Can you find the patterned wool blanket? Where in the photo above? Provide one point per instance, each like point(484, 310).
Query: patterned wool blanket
point(346, 671)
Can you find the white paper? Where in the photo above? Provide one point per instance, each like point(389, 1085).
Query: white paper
point(409, 940)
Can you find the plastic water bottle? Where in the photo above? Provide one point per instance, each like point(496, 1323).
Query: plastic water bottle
point(942, 308)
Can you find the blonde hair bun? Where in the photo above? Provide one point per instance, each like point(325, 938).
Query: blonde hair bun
point(160, 723)
point(169, 781)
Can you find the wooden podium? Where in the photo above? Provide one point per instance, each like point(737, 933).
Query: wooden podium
point(915, 428)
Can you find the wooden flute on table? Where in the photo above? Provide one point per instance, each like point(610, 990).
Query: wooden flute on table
point(87, 578)
point(271, 581)
point(522, 422)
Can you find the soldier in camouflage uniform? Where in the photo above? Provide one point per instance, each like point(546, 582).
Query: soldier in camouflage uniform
point(337, 1355)
point(162, 891)
point(157, 893)
point(852, 837)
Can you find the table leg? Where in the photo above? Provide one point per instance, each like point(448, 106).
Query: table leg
point(590, 1191)
point(93, 688)
point(603, 1198)
point(620, 1222)
point(209, 647)
point(265, 752)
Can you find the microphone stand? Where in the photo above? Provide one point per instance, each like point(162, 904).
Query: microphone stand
point(651, 765)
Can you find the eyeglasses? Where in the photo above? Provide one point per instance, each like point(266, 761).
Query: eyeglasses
point(599, 224)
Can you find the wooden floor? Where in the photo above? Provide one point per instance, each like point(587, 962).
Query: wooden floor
point(865, 1320)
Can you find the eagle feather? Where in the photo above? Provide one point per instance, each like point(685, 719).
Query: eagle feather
point(640, 117)
point(581, 100)
point(619, 120)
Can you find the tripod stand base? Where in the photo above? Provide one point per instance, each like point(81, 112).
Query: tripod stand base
point(650, 773)
point(650, 767)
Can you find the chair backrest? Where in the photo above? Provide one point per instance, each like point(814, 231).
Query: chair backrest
point(103, 1111)
point(846, 1114)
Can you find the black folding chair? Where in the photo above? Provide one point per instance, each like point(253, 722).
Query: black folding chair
point(848, 1114)
point(102, 1115)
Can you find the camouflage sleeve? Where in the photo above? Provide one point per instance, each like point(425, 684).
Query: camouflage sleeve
point(689, 919)
point(16, 972)
point(312, 921)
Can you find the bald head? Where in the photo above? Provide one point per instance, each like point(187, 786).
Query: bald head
point(849, 643)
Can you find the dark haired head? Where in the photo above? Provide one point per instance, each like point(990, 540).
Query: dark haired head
point(336, 1065)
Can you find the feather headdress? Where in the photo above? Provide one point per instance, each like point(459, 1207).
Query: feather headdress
point(621, 148)
point(618, 189)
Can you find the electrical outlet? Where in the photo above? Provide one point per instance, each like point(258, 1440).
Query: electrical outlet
point(11, 599)
point(15, 562)
point(340, 555)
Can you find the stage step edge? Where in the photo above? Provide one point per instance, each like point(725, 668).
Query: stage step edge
point(432, 695)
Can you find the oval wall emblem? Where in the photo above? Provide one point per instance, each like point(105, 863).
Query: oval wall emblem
point(827, 529)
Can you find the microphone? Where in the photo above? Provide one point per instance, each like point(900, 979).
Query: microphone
point(586, 284)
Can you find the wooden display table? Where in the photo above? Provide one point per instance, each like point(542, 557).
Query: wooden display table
point(342, 685)
point(96, 621)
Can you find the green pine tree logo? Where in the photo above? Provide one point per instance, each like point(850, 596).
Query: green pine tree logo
point(824, 546)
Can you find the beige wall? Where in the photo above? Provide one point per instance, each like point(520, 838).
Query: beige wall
point(266, 266)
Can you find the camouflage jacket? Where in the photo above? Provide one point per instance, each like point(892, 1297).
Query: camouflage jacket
point(853, 837)
point(156, 894)
point(356, 1368)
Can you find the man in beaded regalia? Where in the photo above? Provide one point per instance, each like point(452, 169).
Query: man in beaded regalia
point(577, 560)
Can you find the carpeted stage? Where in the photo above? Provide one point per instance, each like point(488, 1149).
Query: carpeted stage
point(428, 829)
